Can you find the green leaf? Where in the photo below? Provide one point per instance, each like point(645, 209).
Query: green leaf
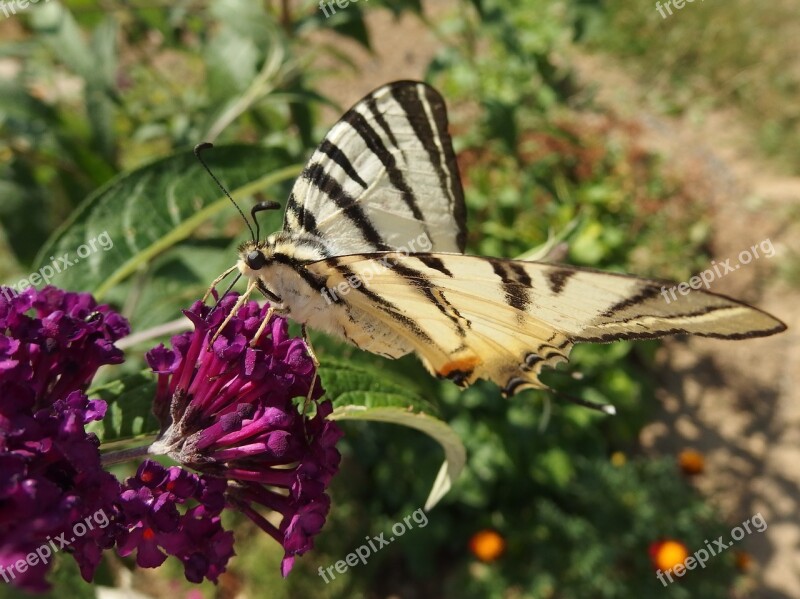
point(100, 84)
point(361, 394)
point(129, 408)
point(232, 62)
point(58, 29)
point(350, 23)
point(146, 211)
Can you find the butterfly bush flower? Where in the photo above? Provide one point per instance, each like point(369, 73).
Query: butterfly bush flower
point(51, 345)
point(226, 409)
point(154, 526)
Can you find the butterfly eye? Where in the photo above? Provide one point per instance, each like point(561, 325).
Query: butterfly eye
point(255, 260)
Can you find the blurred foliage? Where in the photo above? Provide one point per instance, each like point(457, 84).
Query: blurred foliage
point(741, 54)
point(96, 121)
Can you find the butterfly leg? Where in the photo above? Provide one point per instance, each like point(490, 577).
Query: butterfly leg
point(263, 326)
point(239, 303)
point(313, 357)
point(217, 281)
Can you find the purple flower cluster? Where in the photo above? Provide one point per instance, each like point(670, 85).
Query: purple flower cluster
point(155, 527)
point(51, 345)
point(226, 410)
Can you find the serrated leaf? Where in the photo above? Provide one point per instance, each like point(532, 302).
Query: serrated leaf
point(146, 211)
point(361, 394)
point(129, 413)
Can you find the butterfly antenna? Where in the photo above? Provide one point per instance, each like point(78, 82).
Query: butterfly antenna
point(208, 145)
point(221, 297)
point(260, 207)
point(606, 408)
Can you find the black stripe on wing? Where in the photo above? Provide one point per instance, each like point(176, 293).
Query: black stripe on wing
point(374, 142)
point(410, 95)
point(558, 278)
point(434, 263)
point(331, 150)
point(516, 291)
point(306, 221)
point(315, 174)
point(647, 292)
point(378, 116)
point(384, 305)
point(316, 282)
point(428, 290)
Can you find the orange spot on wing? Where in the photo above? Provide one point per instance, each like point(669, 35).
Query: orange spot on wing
point(463, 365)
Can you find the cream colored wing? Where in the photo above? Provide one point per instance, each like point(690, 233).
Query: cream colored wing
point(384, 176)
point(469, 317)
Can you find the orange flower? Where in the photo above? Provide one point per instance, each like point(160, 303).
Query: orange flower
point(691, 462)
point(743, 560)
point(487, 545)
point(668, 554)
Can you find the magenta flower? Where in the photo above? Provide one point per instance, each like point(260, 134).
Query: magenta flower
point(51, 479)
point(228, 412)
point(154, 526)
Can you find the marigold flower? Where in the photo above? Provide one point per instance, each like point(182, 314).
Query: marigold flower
point(691, 462)
point(227, 411)
point(487, 545)
point(667, 554)
point(744, 561)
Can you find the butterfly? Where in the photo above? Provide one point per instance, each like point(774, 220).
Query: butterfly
point(372, 252)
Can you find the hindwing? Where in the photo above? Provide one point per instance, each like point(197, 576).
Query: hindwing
point(469, 317)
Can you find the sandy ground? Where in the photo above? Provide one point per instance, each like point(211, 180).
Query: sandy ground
point(737, 402)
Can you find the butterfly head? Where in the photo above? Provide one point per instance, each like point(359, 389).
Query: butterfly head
point(254, 257)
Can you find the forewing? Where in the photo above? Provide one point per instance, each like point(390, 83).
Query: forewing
point(384, 178)
point(469, 317)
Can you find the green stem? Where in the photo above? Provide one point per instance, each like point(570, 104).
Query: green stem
point(124, 455)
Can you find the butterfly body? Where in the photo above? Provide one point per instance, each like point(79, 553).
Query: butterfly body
point(298, 293)
point(372, 246)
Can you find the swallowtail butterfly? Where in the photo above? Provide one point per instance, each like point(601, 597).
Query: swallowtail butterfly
point(371, 251)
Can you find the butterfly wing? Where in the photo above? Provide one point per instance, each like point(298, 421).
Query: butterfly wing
point(385, 174)
point(469, 317)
